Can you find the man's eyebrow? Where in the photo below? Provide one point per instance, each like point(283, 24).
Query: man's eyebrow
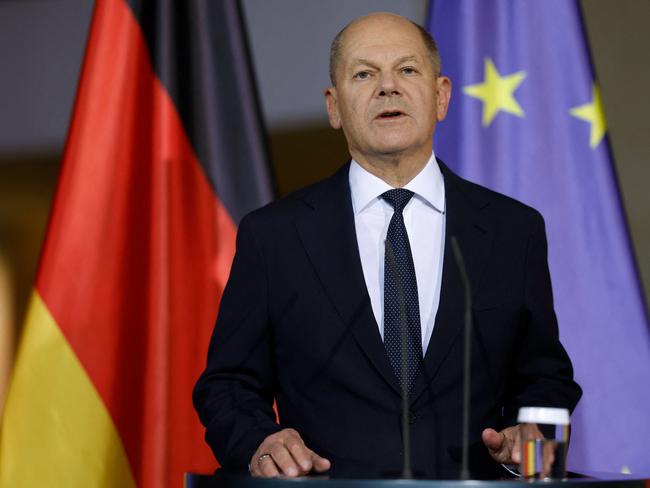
point(366, 62)
point(404, 59)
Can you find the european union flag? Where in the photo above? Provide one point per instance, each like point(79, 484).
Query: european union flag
point(526, 120)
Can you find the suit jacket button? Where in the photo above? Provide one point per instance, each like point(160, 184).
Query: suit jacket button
point(412, 418)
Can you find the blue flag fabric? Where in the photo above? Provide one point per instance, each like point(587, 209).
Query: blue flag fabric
point(525, 120)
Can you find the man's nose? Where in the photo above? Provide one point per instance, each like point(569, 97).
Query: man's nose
point(388, 85)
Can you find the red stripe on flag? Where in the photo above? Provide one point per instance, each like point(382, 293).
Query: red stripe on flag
point(137, 252)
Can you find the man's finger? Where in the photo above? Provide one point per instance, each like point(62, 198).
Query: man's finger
point(492, 439)
point(499, 445)
point(319, 463)
point(300, 453)
point(504, 445)
point(284, 460)
point(516, 449)
point(265, 466)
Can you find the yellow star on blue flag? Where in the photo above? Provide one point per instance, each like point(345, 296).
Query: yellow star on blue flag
point(497, 92)
point(593, 113)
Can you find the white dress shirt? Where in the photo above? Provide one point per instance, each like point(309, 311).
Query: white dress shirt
point(424, 218)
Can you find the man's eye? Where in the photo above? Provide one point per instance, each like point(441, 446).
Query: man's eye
point(408, 70)
point(362, 75)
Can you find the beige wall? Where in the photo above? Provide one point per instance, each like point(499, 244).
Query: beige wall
point(620, 40)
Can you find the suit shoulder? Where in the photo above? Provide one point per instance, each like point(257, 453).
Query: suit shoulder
point(296, 203)
point(499, 205)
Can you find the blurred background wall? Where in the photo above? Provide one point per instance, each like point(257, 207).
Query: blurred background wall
point(41, 50)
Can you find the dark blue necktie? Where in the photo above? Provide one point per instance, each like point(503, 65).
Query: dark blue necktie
point(401, 292)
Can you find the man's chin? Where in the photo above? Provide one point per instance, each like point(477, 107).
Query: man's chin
point(397, 149)
point(387, 150)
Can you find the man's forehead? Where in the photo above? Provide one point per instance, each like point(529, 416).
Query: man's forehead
point(382, 35)
point(378, 18)
point(378, 26)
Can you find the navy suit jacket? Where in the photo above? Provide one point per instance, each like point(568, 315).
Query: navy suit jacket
point(296, 325)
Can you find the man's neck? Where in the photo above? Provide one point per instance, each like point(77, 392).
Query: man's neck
point(397, 171)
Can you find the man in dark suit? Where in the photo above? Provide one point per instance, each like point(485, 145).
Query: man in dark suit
point(311, 312)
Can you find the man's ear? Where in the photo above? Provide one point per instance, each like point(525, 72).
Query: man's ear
point(443, 95)
point(332, 107)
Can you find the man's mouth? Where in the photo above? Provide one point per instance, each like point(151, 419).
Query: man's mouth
point(390, 114)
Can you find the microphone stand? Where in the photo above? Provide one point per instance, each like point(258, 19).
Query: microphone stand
point(464, 470)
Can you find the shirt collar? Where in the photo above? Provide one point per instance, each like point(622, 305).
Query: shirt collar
point(428, 185)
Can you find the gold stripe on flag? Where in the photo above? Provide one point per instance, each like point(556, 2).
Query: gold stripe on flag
point(56, 431)
point(7, 328)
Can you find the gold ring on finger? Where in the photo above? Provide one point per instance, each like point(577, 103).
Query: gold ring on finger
point(262, 457)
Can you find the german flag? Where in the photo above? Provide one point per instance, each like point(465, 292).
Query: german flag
point(165, 153)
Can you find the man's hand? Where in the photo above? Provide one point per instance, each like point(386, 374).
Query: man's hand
point(504, 446)
point(285, 454)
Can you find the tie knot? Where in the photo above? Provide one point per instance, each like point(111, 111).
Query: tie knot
point(398, 198)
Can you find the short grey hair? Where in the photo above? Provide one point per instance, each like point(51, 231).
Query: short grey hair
point(427, 38)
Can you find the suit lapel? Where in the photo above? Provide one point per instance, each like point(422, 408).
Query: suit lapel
point(329, 237)
point(463, 220)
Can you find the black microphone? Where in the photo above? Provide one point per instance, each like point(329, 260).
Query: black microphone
point(464, 470)
point(406, 432)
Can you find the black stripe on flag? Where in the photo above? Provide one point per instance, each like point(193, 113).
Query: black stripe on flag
point(200, 53)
